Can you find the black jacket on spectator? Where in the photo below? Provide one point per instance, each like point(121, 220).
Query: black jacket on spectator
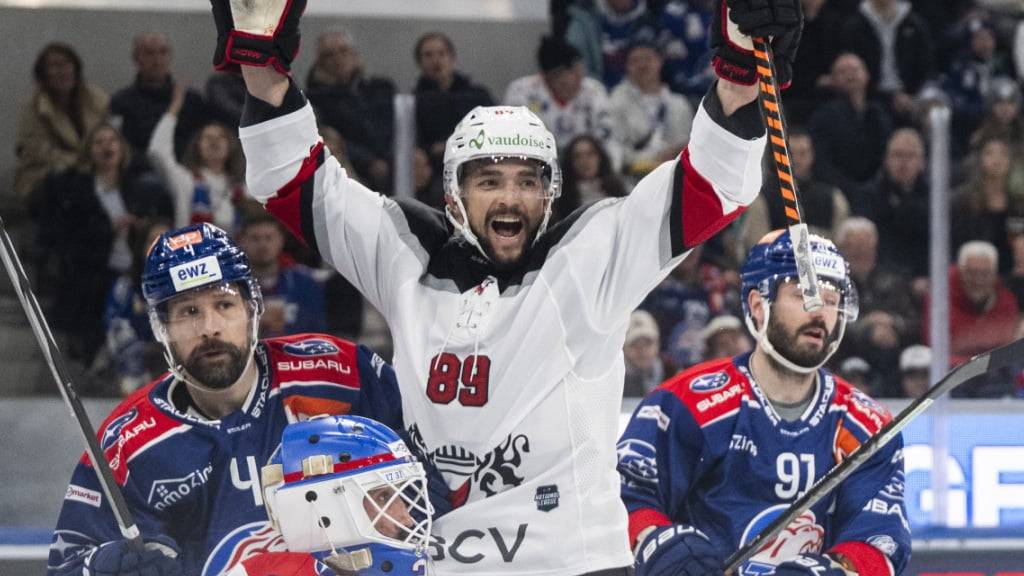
point(902, 218)
point(915, 54)
point(141, 108)
point(75, 240)
point(967, 224)
point(362, 112)
point(818, 49)
point(438, 111)
point(848, 145)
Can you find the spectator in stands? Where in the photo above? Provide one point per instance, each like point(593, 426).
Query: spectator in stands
point(878, 288)
point(208, 183)
point(563, 97)
point(942, 19)
point(985, 202)
point(140, 105)
point(970, 75)
point(63, 109)
point(824, 206)
point(644, 368)
point(725, 337)
point(983, 313)
point(358, 106)
point(818, 49)
point(601, 31)
point(857, 372)
point(683, 33)
point(1003, 119)
point(588, 177)
point(1015, 277)
point(650, 123)
point(427, 185)
point(681, 305)
point(896, 45)
point(876, 339)
point(130, 343)
point(850, 131)
point(84, 216)
point(915, 364)
point(336, 145)
point(293, 301)
point(443, 95)
point(897, 201)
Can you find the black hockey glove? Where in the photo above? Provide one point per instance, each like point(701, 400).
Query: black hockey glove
point(736, 21)
point(256, 33)
point(119, 558)
point(810, 565)
point(678, 550)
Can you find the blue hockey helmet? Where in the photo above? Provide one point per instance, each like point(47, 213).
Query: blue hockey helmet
point(771, 262)
point(194, 257)
point(339, 483)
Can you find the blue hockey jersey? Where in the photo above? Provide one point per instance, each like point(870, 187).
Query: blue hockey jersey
point(707, 449)
point(197, 481)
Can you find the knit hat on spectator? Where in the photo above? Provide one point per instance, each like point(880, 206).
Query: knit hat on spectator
point(645, 37)
point(854, 365)
point(720, 323)
point(555, 53)
point(916, 357)
point(642, 325)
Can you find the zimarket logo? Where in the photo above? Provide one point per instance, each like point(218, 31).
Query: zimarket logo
point(515, 140)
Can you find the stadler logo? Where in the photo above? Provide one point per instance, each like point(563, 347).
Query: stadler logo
point(313, 347)
point(710, 382)
point(113, 430)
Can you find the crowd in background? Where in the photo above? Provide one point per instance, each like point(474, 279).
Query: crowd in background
point(617, 83)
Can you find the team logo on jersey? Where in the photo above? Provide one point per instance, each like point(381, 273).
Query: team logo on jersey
point(803, 536)
point(884, 543)
point(709, 382)
point(113, 431)
point(638, 463)
point(464, 471)
point(67, 547)
point(311, 347)
point(546, 497)
point(242, 543)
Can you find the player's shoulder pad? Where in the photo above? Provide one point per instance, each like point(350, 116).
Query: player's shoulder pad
point(315, 359)
point(862, 418)
point(711, 391)
point(134, 426)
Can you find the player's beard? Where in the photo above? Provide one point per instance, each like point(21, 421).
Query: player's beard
point(217, 374)
point(788, 344)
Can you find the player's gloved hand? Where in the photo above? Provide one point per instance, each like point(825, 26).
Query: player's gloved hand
point(256, 33)
point(678, 550)
point(737, 21)
point(810, 565)
point(119, 558)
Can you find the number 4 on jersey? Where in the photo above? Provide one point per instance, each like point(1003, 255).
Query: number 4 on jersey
point(451, 378)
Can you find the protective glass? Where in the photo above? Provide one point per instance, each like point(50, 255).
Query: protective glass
point(843, 299)
point(473, 175)
point(221, 309)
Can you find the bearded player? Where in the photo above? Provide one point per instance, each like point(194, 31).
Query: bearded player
point(508, 332)
point(719, 451)
point(186, 449)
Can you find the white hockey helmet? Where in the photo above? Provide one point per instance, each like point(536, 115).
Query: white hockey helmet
point(499, 132)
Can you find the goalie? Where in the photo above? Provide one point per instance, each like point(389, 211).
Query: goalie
point(717, 452)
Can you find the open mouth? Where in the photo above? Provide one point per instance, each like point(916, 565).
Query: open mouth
point(507, 226)
point(816, 334)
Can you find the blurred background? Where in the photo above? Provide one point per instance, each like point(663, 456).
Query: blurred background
point(907, 138)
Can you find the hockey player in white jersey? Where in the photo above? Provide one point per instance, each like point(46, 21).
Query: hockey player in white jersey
point(508, 333)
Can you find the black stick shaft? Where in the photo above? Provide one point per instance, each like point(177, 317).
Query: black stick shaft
point(55, 360)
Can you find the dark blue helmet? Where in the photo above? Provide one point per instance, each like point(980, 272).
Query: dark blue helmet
point(193, 257)
point(346, 482)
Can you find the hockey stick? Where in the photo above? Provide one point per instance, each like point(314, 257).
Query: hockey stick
point(19, 279)
point(771, 109)
point(990, 361)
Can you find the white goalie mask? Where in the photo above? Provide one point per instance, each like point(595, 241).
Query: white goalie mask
point(498, 133)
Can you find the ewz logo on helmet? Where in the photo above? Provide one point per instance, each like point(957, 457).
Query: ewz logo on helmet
point(196, 273)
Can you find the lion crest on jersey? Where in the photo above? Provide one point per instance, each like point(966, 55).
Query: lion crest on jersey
point(242, 543)
point(803, 536)
point(464, 471)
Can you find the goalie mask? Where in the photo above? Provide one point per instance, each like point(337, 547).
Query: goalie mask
point(498, 133)
point(771, 262)
point(197, 284)
point(348, 486)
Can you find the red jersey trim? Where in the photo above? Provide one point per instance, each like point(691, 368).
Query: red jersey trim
point(643, 518)
point(866, 559)
point(710, 390)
